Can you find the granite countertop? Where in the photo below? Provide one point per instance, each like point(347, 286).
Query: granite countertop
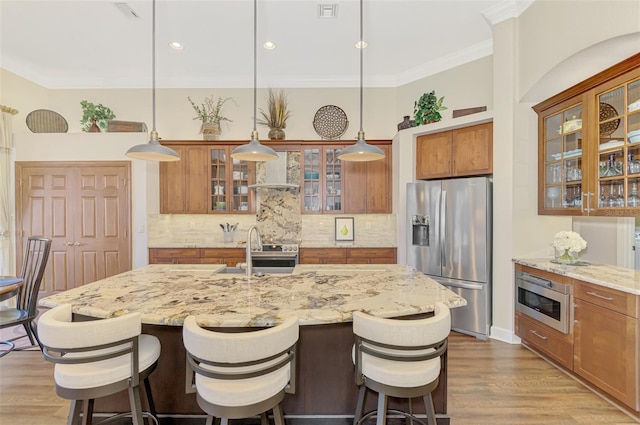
point(318, 294)
point(620, 278)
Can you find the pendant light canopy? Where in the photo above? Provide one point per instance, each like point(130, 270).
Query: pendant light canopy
point(254, 150)
point(153, 150)
point(361, 151)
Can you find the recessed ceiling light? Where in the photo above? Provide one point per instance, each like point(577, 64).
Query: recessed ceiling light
point(176, 46)
point(269, 45)
point(361, 44)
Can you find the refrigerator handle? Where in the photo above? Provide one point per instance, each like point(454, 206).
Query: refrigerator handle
point(443, 226)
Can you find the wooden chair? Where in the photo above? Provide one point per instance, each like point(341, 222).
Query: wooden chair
point(399, 358)
point(26, 310)
point(98, 358)
point(239, 375)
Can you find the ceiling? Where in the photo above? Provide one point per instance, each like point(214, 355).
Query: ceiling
point(94, 44)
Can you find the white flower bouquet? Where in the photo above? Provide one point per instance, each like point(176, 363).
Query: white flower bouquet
point(571, 241)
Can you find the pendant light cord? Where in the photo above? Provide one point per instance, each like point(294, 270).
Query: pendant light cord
point(255, 63)
point(153, 67)
point(361, 54)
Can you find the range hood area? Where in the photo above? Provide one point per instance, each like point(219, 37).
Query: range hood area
point(275, 174)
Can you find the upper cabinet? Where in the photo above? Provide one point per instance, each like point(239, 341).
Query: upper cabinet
point(207, 180)
point(589, 146)
point(466, 151)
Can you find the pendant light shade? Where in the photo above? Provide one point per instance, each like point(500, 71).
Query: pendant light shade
point(361, 151)
point(153, 150)
point(254, 150)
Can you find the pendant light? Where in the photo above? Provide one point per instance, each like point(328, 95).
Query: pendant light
point(361, 151)
point(254, 150)
point(153, 150)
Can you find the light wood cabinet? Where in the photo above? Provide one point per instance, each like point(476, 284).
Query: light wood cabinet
point(466, 151)
point(348, 256)
point(322, 188)
point(606, 340)
point(589, 146)
point(545, 339)
point(368, 185)
point(229, 256)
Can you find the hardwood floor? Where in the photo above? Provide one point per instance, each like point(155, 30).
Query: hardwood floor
point(490, 383)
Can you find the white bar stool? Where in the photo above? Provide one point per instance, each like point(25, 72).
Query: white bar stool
point(98, 358)
point(399, 358)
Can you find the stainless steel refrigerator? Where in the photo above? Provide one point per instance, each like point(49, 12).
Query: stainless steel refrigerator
point(449, 239)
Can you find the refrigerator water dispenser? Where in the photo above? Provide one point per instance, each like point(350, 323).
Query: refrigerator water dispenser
point(420, 225)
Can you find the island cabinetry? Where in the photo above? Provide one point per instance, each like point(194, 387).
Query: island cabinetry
point(466, 151)
point(184, 184)
point(368, 185)
point(589, 146)
point(606, 340)
point(228, 256)
point(348, 256)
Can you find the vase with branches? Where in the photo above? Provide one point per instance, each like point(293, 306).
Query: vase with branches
point(210, 115)
point(276, 115)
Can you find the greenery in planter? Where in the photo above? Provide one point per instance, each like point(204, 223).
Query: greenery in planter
point(98, 112)
point(427, 108)
point(277, 111)
point(210, 112)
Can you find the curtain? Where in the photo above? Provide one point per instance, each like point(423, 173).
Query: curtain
point(6, 246)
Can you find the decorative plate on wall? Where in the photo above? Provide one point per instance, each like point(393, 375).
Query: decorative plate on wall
point(46, 121)
point(330, 122)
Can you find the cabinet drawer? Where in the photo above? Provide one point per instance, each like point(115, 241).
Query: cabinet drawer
point(175, 252)
point(615, 300)
point(550, 342)
point(370, 252)
point(311, 255)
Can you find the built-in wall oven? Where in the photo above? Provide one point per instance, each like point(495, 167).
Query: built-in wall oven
point(544, 300)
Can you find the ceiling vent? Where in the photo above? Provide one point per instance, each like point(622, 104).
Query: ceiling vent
point(327, 11)
point(127, 10)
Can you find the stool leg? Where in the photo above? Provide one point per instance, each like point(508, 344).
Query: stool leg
point(149, 397)
point(410, 411)
point(360, 404)
point(87, 412)
point(382, 409)
point(431, 412)
point(263, 419)
point(209, 420)
point(224, 421)
point(136, 407)
point(277, 415)
point(74, 412)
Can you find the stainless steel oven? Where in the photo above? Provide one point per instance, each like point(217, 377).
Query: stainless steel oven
point(544, 300)
point(275, 255)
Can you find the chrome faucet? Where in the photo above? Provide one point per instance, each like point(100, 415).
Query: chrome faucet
point(248, 259)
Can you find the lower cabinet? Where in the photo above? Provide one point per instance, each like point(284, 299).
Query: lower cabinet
point(603, 346)
point(348, 256)
point(606, 340)
point(228, 256)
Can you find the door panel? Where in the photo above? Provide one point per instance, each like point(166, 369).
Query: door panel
point(84, 208)
point(423, 198)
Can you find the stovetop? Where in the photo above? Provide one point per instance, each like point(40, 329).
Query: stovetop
point(280, 247)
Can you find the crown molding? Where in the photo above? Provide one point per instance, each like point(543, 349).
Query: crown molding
point(506, 10)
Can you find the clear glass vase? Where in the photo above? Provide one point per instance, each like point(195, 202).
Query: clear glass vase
point(567, 257)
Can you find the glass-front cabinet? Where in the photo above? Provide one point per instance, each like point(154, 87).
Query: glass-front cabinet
point(590, 148)
point(230, 180)
point(322, 177)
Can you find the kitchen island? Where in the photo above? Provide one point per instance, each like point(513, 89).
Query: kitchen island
point(323, 297)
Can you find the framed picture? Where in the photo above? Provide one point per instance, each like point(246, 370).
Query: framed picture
point(344, 228)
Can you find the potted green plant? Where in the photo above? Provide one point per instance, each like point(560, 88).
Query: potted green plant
point(276, 115)
point(427, 108)
point(95, 117)
point(210, 115)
